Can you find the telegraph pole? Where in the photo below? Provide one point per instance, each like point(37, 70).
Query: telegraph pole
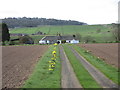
point(119, 12)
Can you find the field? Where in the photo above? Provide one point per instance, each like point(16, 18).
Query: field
point(28, 67)
point(108, 70)
point(18, 63)
point(107, 52)
point(100, 33)
point(75, 65)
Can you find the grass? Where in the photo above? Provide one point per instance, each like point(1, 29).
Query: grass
point(83, 30)
point(41, 77)
point(85, 79)
point(108, 70)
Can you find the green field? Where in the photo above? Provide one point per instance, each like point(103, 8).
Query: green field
point(103, 35)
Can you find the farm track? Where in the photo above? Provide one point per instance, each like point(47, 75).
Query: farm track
point(107, 52)
point(96, 74)
point(18, 63)
point(69, 79)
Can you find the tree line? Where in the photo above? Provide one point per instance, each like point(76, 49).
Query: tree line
point(33, 22)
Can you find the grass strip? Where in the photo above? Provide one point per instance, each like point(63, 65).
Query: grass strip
point(108, 70)
point(85, 79)
point(41, 77)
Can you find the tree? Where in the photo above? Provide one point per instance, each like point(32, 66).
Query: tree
point(88, 39)
point(116, 32)
point(26, 40)
point(98, 30)
point(78, 36)
point(74, 36)
point(5, 33)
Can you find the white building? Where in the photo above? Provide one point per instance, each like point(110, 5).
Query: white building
point(58, 39)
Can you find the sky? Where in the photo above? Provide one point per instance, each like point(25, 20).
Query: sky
point(88, 11)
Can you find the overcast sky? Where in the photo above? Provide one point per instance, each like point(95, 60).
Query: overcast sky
point(88, 11)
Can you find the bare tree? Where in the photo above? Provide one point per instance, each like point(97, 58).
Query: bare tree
point(116, 32)
point(88, 39)
point(78, 36)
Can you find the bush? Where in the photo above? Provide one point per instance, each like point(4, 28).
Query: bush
point(26, 40)
point(88, 39)
point(63, 41)
point(98, 30)
point(93, 41)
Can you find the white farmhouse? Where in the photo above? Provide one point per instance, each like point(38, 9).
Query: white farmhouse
point(58, 39)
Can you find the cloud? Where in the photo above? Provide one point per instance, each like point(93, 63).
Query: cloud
point(89, 11)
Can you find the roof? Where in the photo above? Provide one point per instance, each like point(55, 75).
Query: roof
point(58, 38)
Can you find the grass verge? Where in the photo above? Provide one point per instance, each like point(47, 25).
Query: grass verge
point(85, 79)
point(41, 77)
point(108, 70)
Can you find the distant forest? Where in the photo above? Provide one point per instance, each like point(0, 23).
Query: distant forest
point(34, 22)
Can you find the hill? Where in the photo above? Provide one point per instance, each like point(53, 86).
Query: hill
point(98, 33)
point(34, 22)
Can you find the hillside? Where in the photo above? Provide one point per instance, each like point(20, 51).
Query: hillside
point(34, 22)
point(99, 33)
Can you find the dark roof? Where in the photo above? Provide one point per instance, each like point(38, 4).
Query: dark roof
point(58, 38)
point(67, 38)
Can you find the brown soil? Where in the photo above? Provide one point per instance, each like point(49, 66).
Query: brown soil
point(107, 52)
point(18, 63)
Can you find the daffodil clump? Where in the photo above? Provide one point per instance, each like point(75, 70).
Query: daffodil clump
point(53, 60)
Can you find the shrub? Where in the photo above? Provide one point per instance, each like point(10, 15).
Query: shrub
point(88, 39)
point(26, 40)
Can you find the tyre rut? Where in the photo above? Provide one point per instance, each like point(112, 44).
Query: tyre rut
point(102, 80)
point(69, 79)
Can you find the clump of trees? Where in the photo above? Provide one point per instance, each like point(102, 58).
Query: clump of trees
point(85, 39)
point(78, 36)
point(26, 40)
point(88, 39)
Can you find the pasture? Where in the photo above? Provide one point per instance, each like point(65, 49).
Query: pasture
point(100, 33)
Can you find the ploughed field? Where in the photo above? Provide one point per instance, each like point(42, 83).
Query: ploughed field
point(107, 52)
point(18, 63)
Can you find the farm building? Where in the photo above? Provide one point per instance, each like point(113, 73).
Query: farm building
point(58, 39)
point(18, 34)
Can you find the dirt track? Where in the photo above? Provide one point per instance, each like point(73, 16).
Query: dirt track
point(69, 79)
point(108, 52)
point(102, 80)
point(18, 63)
